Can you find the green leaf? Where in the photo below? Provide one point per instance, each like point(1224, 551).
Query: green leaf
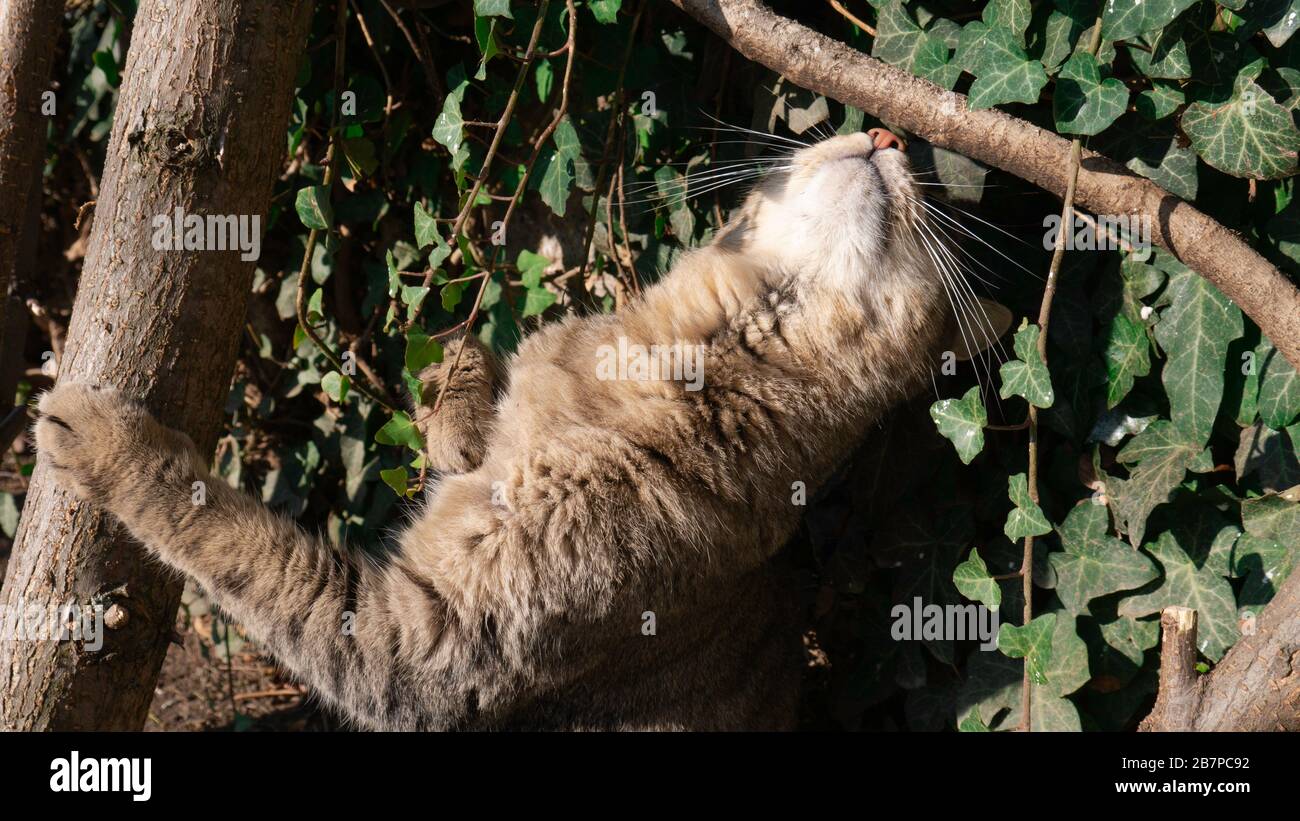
point(426, 229)
point(1159, 101)
point(531, 267)
point(313, 207)
point(421, 351)
point(557, 180)
point(1127, 357)
point(1195, 331)
point(544, 79)
point(396, 479)
point(400, 430)
point(1159, 458)
point(1083, 103)
point(1272, 517)
point(962, 422)
point(1201, 589)
point(605, 11)
point(1094, 563)
point(973, 724)
point(537, 300)
point(1026, 518)
point(1125, 19)
point(1010, 14)
point(1028, 375)
point(1285, 21)
point(973, 580)
point(1247, 135)
point(335, 386)
point(449, 128)
point(1033, 643)
point(1279, 386)
point(1004, 73)
point(360, 154)
point(492, 8)
point(897, 36)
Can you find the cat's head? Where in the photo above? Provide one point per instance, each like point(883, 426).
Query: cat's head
point(843, 220)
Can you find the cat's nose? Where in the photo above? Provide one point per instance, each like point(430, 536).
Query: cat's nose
point(883, 138)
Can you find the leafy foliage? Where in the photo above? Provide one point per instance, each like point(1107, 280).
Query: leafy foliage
point(1170, 424)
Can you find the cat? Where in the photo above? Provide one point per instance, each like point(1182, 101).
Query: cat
point(600, 551)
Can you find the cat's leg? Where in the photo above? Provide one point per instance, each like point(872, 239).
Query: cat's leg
point(376, 639)
point(456, 436)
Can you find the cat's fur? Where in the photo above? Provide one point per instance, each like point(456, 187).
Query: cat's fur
point(570, 507)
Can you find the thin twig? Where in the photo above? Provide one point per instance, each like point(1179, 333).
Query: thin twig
point(848, 15)
point(1044, 318)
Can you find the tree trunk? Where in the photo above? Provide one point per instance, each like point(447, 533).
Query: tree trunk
point(29, 33)
point(199, 126)
point(1256, 687)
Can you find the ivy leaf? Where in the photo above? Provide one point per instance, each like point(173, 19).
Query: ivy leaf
point(1026, 518)
point(558, 178)
point(1272, 517)
point(313, 207)
point(426, 228)
point(1011, 14)
point(1033, 643)
point(605, 11)
point(537, 300)
point(1003, 72)
point(531, 267)
point(901, 42)
point(421, 351)
point(400, 430)
point(974, 582)
point(493, 8)
point(1027, 376)
point(1126, 19)
point(1083, 102)
point(973, 724)
point(962, 422)
point(1094, 563)
point(1159, 101)
point(335, 386)
point(1286, 19)
point(1159, 457)
point(1247, 135)
point(1279, 386)
point(1201, 589)
point(1162, 54)
point(1195, 331)
point(396, 479)
point(1127, 357)
point(449, 128)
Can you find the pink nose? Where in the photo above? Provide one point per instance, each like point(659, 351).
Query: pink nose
point(884, 138)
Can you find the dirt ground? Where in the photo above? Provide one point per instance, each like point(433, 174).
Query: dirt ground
point(215, 679)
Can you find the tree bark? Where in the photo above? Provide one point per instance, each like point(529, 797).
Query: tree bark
point(1255, 688)
point(29, 34)
point(830, 67)
point(199, 126)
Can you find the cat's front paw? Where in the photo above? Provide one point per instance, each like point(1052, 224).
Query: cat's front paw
point(94, 438)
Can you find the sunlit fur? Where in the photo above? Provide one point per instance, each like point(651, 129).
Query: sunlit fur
point(571, 512)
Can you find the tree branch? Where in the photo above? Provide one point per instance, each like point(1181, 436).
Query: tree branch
point(830, 67)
